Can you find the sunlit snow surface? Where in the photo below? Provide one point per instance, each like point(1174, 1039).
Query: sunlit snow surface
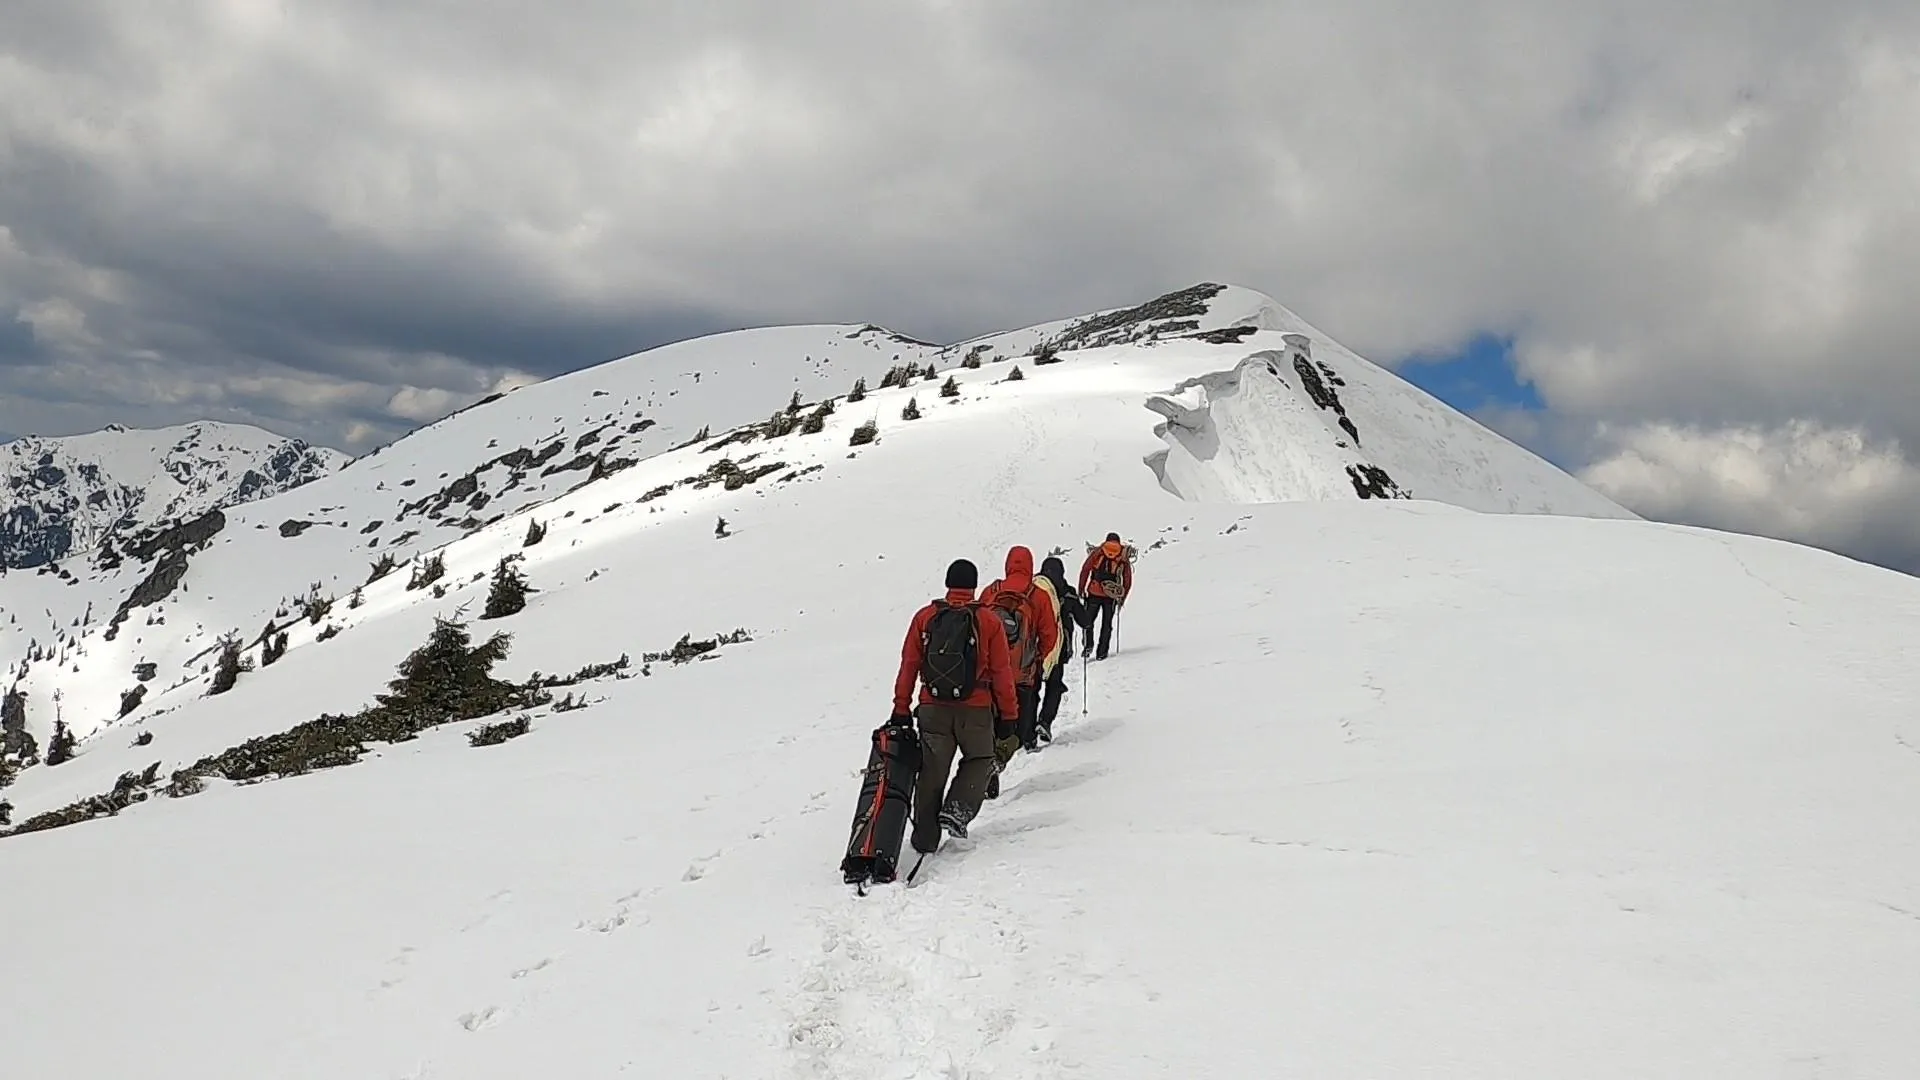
point(1372, 788)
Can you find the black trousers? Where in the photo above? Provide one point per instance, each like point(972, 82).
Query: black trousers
point(1029, 713)
point(1054, 689)
point(1100, 609)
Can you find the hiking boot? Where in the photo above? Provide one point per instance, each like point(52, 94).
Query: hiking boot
point(1044, 733)
point(993, 786)
point(954, 821)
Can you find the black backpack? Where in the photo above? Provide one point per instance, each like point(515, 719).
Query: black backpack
point(950, 651)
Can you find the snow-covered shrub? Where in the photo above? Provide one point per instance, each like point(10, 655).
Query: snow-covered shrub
point(381, 568)
point(427, 571)
point(317, 609)
point(781, 423)
point(949, 389)
point(865, 433)
point(129, 789)
point(859, 392)
point(273, 647)
point(536, 532)
point(495, 734)
point(912, 411)
point(1016, 374)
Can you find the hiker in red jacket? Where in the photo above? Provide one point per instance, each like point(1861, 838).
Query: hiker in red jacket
point(1031, 618)
point(957, 650)
point(1105, 581)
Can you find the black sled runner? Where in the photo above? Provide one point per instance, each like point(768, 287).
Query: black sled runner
point(886, 796)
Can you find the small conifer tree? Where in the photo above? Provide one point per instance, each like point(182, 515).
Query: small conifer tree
point(859, 392)
point(227, 669)
point(1016, 374)
point(508, 594)
point(61, 747)
point(536, 532)
point(912, 411)
point(864, 434)
point(448, 678)
point(949, 389)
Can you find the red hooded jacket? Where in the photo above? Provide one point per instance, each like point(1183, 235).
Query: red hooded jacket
point(1041, 613)
point(993, 676)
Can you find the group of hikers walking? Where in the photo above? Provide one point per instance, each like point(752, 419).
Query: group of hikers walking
point(991, 667)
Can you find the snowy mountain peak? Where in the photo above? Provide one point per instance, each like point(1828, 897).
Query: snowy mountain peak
point(71, 494)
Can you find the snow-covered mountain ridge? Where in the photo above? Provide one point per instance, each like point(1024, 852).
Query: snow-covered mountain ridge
point(1373, 786)
point(67, 495)
point(1254, 404)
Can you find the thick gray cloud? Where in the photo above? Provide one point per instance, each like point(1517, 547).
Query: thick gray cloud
point(1695, 220)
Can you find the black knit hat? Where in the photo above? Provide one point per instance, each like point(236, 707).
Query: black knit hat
point(963, 575)
point(1115, 537)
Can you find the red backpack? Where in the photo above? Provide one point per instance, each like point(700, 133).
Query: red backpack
point(1023, 645)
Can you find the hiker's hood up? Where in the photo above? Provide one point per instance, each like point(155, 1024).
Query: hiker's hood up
point(1019, 566)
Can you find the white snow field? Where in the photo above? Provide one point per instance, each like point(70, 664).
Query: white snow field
point(1372, 788)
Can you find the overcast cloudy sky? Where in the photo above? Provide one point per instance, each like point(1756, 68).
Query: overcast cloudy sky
point(1672, 246)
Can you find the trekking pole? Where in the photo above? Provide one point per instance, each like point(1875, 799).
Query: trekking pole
point(1084, 692)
